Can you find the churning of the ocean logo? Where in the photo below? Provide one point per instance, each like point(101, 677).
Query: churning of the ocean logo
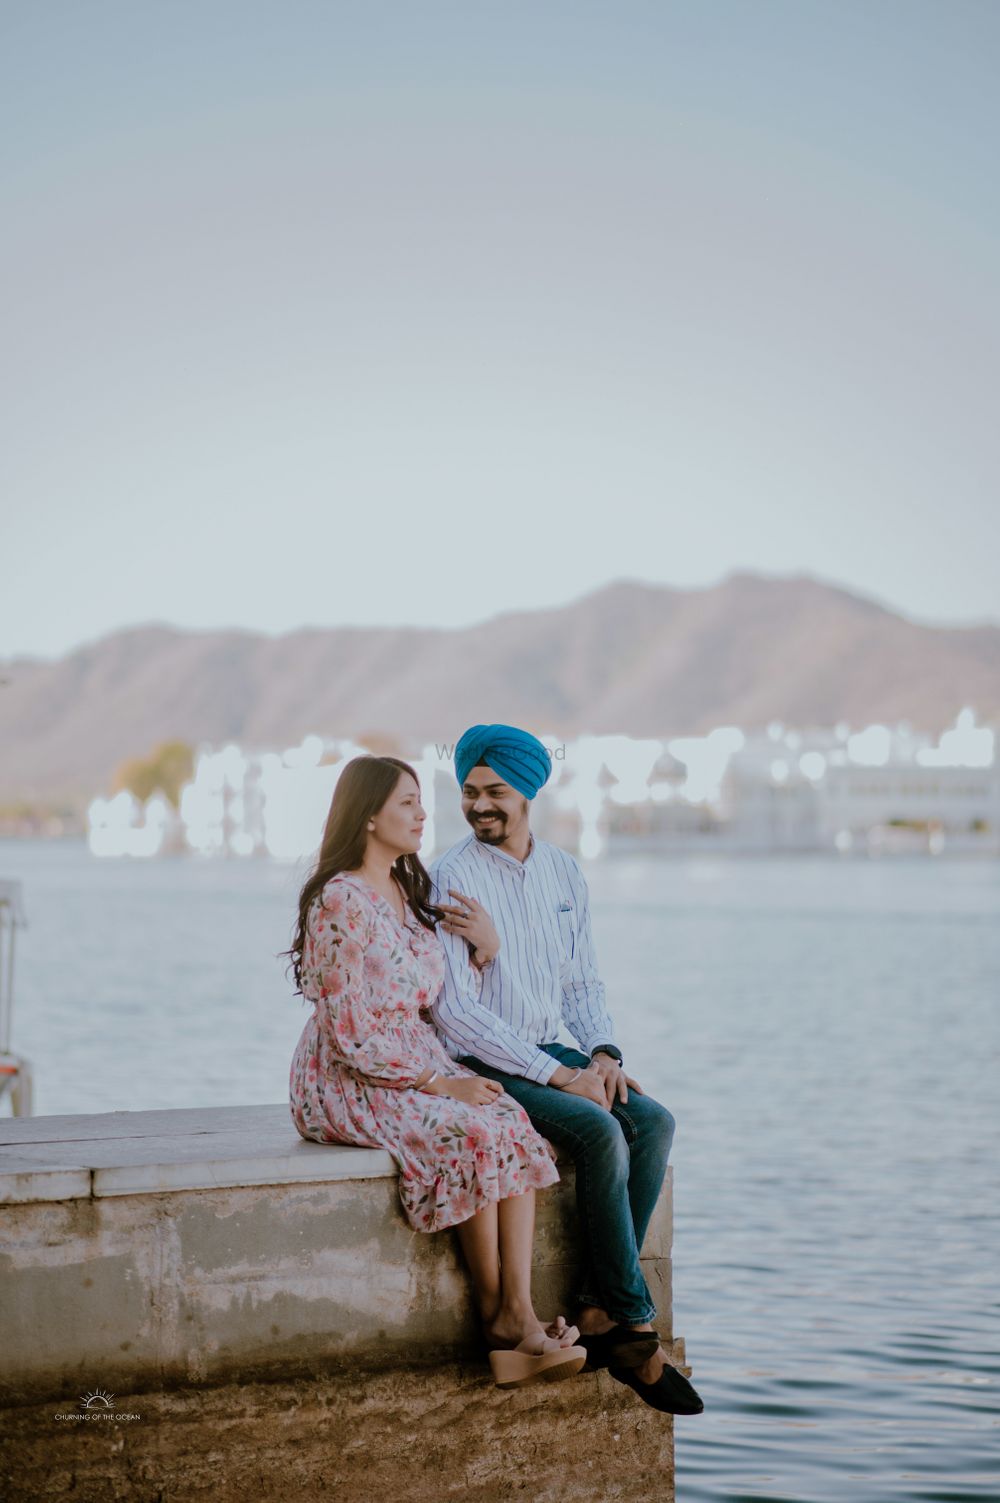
point(827, 1034)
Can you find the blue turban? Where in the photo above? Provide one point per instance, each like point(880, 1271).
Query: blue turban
point(518, 756)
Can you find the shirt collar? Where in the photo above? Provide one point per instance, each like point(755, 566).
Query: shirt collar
point(491, 851)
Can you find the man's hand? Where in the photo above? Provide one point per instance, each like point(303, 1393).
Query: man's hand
point(615, 1082)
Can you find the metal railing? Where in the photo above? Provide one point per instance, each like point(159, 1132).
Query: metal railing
point(15, 1070)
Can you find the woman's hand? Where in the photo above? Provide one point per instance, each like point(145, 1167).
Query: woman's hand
point(586, 1082)
point(474, 1090)
point(474, 924)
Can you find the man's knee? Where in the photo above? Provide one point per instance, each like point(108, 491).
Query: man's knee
point(605, 1143)
point(585, 1131)
point(656, 1123)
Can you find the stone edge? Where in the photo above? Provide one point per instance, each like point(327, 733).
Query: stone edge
point(20, 1186)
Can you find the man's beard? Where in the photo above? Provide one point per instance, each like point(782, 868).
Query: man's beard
point(495, 835)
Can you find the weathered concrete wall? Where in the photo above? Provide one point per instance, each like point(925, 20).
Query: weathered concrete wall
point(135, 1292)
point(416, 1437)
point(277, 1335)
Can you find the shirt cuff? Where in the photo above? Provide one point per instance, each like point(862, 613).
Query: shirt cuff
point(598, 1040)
point(542, 1068)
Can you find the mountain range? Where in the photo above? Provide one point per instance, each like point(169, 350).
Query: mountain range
point(638, 658)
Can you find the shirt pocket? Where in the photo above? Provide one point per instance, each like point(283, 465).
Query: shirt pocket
point(566, 919)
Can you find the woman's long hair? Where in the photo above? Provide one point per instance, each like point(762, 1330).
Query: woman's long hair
point(362, 790)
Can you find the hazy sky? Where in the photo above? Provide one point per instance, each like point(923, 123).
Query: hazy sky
point(415, 312)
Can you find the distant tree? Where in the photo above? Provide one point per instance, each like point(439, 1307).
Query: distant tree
point(165, 770)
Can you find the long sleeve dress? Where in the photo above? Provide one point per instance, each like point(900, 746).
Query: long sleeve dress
point(352, 1079)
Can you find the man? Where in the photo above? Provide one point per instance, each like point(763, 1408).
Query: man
point(502, 1019)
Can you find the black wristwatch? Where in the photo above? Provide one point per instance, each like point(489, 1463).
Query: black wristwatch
point(614, 1052)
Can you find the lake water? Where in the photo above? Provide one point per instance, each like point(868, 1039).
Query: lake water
point(827, 1035)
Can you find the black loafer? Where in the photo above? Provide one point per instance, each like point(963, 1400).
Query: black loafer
point(619, 1347)
point(671, 1393)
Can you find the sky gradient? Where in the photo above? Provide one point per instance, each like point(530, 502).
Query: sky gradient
point(381, 313)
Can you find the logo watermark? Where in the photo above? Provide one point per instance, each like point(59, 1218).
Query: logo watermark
point(446, 751)
point(97, 1406)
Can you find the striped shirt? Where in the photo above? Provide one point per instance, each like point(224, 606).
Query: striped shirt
point(546, 971)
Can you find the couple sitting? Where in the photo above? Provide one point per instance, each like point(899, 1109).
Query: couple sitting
point(383, 957)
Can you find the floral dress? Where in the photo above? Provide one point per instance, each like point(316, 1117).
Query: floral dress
point(369, 978)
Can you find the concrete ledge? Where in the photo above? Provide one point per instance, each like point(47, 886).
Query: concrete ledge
point(137, 1153)
point(22, 1180)
point(168, 1122)
point(173, 1256)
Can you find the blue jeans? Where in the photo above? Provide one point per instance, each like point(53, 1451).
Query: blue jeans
point(621, 1158)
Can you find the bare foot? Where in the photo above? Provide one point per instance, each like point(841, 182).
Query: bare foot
point(506, 1332)
point(653, 1367)
point(594, 1322)
point(561, 1332)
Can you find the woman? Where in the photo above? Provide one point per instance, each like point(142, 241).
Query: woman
point(369, 1068)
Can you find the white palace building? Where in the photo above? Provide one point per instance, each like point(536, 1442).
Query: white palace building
point(875, 791)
